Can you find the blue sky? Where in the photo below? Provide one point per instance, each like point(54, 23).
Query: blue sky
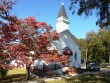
point(47, 11)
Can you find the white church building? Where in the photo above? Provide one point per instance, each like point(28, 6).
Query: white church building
point(67, 40)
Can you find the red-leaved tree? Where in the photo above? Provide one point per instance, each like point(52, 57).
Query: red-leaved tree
point(20, 37)
point(7, 32)
point(23, 40)
point(35, 39)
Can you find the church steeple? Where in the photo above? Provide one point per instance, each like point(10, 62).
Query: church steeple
point(62, 20)
point(62, 12)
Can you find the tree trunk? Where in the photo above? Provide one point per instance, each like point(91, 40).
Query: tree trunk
point(27, 72)
point(55, 66)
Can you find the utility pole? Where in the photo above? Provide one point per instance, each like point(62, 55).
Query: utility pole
point(109, 56)
point(87, 53)
point(86, 59)
point(109, 53)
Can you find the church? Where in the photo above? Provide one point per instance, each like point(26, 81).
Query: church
point(66, 40)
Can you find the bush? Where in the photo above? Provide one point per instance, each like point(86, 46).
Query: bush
point(3, 72)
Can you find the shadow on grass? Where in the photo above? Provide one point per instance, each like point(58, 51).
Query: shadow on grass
point(13, 78)
point(91, 78)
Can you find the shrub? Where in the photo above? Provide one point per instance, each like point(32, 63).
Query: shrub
point(3, 72)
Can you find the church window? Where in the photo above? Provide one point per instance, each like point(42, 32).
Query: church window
point(75, 56)
point(62, 43)
point(65, 36)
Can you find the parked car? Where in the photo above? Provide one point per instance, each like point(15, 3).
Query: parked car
point(93, 67)
point(103, 65)
point(108, 65)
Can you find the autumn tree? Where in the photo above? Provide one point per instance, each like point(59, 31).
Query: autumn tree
point(24, 40)
point(20, 37)
point(7, 31)
point(35, 37)
point(100, 7)
point(56, 58)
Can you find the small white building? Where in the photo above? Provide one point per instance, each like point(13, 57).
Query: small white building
point(67, 40)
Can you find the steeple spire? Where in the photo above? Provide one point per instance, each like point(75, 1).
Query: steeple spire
point(62, 20)
point(62, 12)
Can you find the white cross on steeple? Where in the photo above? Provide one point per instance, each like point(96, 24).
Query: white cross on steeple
point(62, 3)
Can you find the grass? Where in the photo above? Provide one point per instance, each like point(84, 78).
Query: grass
point(90, 78)
point(16, 71)
point(56, 81)
point(18, 74)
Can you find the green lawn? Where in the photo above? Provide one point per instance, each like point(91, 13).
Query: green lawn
point(14, 75)
point(16, 71)
point(56, 81)
point(19, 75)
point(91, 78)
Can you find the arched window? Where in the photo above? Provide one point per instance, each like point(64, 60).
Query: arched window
point(67, 51)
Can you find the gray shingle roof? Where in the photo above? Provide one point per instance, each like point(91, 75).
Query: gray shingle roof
point(62, 12)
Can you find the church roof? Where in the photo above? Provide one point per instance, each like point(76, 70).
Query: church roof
point(62, 12)
point(71, 35)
